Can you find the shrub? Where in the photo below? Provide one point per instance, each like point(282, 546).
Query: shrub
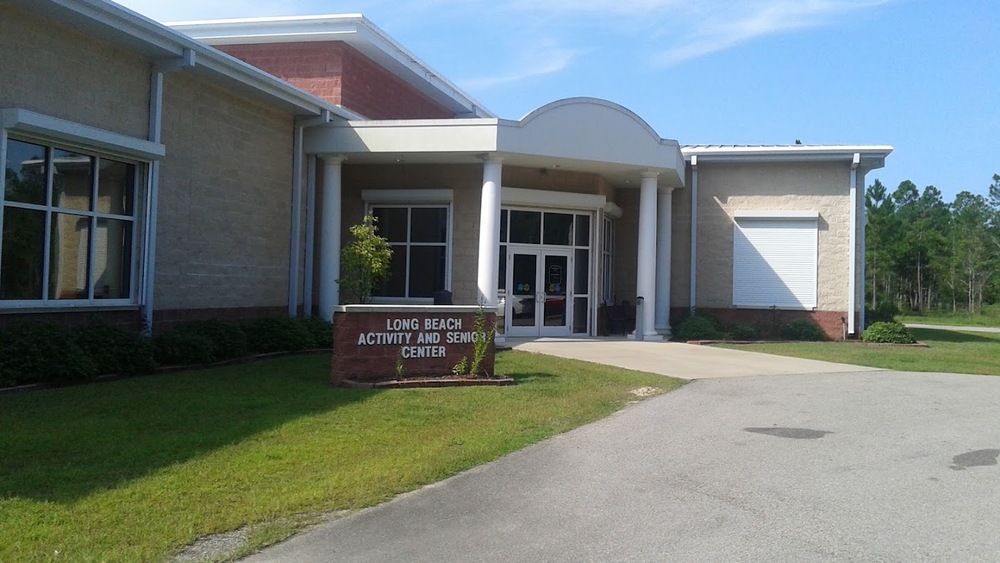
point(321, 331)
point(228, 339)
point(802, 329)
point(885, 313)
point(277, 334)
point(42, 353)
point(889, 333)
point(115, 350)
point(743, 331)
point(181, 347)
point(699, 327)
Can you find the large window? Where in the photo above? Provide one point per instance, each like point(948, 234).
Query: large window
point(419, 238)
point(69, 225)
point(774, 263)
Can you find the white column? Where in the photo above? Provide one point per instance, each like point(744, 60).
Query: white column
point(489, 231)
point(645, 285)
point(329, 242)
point(664, 213)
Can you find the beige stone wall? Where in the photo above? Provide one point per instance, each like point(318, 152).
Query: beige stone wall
point(61, 72)
point(725, 188)
point(225, 197)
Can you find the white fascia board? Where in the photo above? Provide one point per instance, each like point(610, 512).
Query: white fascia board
point(80, 136)
point(354, 29)
point(402, 137)
point(874, 155)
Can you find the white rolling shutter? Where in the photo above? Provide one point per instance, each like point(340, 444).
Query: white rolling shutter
point(774, 263)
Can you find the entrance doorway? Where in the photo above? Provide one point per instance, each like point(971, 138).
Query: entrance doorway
point(539, 282)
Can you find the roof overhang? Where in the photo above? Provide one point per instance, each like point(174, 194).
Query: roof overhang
point(353, 29)
point(580, 134)
point(871, 156)
point(141, 35)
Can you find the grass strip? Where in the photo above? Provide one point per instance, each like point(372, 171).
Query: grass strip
point(948, 351)
point(135, 470)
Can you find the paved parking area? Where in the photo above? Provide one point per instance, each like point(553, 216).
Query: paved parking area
point(866, 466)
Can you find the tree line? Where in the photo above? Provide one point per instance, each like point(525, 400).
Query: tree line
point(924, 254)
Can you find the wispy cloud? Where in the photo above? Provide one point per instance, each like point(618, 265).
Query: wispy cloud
point(730, 24)
point(547, 59)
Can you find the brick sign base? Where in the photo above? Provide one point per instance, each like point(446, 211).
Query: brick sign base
point(374, 344)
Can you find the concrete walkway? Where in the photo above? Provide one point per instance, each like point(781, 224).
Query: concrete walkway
point(955, 328)
point(684, 361)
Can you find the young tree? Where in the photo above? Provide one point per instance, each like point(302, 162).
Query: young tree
point(365, 262)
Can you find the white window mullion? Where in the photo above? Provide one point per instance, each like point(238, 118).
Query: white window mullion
point(95, 179)
point(46, 242)
point(3, 188)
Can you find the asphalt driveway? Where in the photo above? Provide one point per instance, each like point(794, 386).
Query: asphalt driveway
point(871, 466)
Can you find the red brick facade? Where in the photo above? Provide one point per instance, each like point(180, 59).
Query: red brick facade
point(369, 346)
point(833, 323)
point(340, 74)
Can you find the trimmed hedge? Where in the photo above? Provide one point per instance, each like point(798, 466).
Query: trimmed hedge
point(278, 334)
point(42, 353)
point(802, 329)
point(744, 331)
point(699, 327)
point(888, 333)
point(57, 355)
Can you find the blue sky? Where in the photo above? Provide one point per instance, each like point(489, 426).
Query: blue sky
point(921, 75)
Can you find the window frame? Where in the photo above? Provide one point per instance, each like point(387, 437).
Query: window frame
point(50, 138)
point(409, 200)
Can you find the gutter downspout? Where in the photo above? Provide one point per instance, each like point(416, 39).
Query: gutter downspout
point(852, 297)
point(295, 246)
point(186, 61)
point(863, 244)
point(694, 233)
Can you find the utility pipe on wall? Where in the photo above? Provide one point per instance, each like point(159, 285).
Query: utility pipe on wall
point(852, 284)
point(186, 61)
point(693, 287)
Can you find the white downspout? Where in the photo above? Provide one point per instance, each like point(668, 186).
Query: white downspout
point(295, 247)
point(186, 61)
point(863, 245)
point(852, 291)
point(694, 233)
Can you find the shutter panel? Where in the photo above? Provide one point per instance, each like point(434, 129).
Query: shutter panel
point(774, 263)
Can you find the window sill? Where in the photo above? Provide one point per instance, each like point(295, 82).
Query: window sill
point(27, 309)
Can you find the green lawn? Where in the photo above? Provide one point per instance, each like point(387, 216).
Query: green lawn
point(990, 318)
point(136, 469)
point(956, 352)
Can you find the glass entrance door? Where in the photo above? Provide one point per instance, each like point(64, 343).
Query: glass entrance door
point(539, 282)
